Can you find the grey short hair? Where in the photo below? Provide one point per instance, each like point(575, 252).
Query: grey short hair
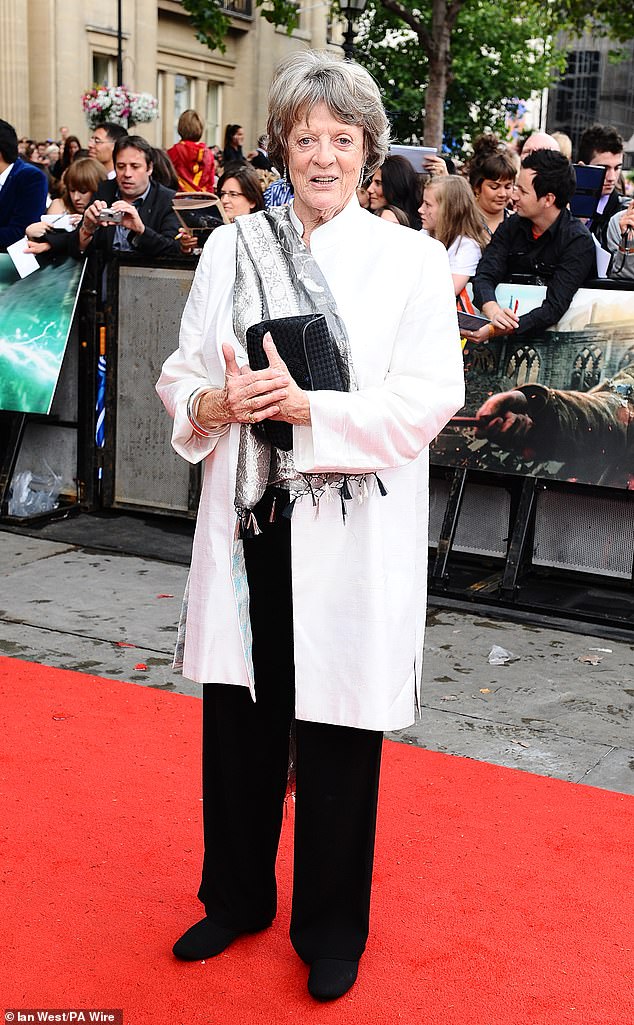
point(308, 77)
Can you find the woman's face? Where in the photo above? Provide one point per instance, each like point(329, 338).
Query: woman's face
point(233, 199)
point(79, 200)
point(238, 138)
point(375, 191)
point(325, 158)
point(428, 209)
point(494, 196)
point(72, 148)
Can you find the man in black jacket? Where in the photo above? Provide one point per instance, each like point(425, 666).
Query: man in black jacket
point(603, 146)
point(542, 240)
point(148, 225)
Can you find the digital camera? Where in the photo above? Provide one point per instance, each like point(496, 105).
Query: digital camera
point(111, 216)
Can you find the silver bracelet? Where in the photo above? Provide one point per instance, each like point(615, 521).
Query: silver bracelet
point(192, 409)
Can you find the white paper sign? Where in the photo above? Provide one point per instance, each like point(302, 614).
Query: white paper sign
point(25, 263)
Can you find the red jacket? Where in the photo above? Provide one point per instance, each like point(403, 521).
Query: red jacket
point(194, 163)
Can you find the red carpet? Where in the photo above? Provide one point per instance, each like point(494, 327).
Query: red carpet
point(501, 898)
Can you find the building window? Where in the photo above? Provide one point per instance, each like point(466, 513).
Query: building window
point(182, 99)
point(212, 115)
point(577, 94)
point(627, 360)
point(104, 70)
point(241, 8)
point(523, 367)
point(586, 371)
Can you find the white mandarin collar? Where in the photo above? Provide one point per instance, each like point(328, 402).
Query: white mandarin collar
point(330, 233)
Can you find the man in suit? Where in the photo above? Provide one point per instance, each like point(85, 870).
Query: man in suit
point(148, 224)
point(23, 189)
point(260, 158)
point(602, 145)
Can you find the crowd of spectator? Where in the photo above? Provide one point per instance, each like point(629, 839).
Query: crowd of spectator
point(501, 213)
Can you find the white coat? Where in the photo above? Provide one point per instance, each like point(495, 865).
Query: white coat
point(359, 588)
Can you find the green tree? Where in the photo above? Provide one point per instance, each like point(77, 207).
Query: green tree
point(464, 57)
point(482, 77)
point(212, 21)
point(444, 56)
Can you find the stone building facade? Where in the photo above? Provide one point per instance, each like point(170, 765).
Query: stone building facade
point(54, 50)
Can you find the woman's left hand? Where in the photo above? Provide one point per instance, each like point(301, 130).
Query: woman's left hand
point(295, 409)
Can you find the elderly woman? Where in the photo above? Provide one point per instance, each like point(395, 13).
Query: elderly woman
point(318, 618)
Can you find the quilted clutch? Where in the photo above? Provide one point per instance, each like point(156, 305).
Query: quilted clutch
point(313, 360)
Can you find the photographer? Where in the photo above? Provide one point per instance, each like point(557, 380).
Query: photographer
point(131, 213)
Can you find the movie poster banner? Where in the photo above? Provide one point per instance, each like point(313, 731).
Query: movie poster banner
point(557, 405)
point(36, 314)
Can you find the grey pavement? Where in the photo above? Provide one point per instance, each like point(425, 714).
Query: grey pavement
point(562, 707)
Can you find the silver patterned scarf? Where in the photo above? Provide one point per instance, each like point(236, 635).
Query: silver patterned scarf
point(277, 276)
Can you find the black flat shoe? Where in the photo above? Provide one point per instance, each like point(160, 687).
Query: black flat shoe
point(330, 978)
point(203, 940)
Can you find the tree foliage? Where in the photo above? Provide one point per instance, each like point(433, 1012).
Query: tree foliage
point(496, 54)
point(448, 66)
point(211, 18)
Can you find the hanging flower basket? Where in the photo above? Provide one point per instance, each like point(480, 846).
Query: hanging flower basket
point(118, 105)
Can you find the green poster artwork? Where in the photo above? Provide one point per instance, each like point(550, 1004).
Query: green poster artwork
point(36, 313)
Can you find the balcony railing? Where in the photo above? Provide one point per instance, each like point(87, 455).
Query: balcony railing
point(238, 8)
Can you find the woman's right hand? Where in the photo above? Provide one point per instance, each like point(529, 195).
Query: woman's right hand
point(248, 397)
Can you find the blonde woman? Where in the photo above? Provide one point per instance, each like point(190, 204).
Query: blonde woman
point(450, 214)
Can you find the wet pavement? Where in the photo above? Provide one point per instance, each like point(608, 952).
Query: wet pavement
point(562, 706)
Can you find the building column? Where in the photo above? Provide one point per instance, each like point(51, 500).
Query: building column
point(144, 44)
point(42, 70)
point(14, 66)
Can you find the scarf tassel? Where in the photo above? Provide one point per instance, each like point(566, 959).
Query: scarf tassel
point(381, 486)
point(247, 526)
point(344, 511)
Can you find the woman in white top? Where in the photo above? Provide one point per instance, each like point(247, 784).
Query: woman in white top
point(318, 618)
point(449, 213)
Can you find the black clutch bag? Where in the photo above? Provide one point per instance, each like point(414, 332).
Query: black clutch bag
point(313, 360)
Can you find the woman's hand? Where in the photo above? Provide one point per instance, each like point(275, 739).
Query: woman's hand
point(36, 232)
point(248, 396)
point(294, 407)
point(435, 165)
point(187, 242)
point(36, 247)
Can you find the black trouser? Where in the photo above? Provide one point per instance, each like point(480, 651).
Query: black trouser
point(245, 761)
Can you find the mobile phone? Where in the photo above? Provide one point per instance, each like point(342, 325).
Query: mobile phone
point(471, 321)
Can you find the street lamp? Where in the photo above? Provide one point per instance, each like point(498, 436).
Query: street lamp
point(351, 10)
point(119, 45)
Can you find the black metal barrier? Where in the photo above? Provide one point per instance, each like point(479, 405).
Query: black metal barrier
point(543, 519)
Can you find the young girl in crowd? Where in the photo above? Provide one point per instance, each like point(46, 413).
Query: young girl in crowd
point(450, 214)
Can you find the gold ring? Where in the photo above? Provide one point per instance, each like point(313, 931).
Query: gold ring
point(251, 418)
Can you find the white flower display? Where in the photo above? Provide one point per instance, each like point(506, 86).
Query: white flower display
point(118, 105)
